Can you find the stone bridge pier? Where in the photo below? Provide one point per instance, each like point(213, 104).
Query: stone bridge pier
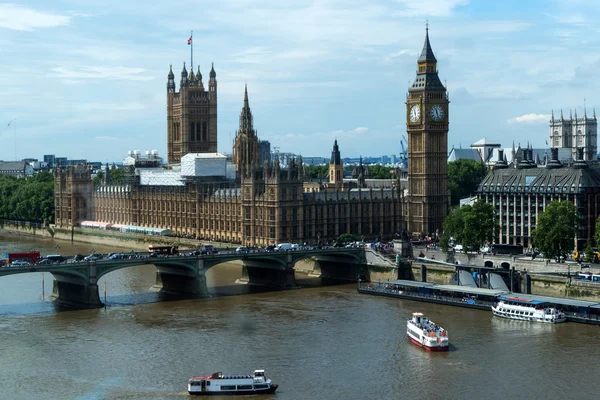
point(187, 278)
point(274, 273)
point(338, 267)
point(78, 288)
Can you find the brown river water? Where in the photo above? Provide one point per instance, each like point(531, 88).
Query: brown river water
point(317, 342)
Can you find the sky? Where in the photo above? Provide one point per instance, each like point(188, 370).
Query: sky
point(87, 78)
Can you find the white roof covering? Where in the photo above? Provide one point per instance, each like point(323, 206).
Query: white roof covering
point(204, 164)
point(159, 177)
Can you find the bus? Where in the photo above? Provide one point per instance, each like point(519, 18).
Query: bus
point(512, 249)
point(163, 250)
point(32, 257)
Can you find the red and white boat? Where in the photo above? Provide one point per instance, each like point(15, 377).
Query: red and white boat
point(425, 333)
point(220, 384)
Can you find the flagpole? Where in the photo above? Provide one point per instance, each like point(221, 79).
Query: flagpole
point(192, 51)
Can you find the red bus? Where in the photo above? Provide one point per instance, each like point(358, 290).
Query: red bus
point(29, 256)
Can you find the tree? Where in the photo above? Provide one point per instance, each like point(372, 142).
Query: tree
point(29, 199)
point(590, 256)
point(317, 171)
point(117, 176)
point(597, 234)
point(471, 226)
point(464, 177)
point(99, 178)
point(556, 227)
point(380, 172)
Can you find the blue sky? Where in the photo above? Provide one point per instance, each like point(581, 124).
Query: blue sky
point(87, 78)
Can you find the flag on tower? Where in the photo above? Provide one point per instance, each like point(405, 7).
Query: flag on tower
point(190, 41)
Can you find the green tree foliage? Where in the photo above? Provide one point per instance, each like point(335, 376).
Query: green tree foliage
point(554, 234)
point(381, 172)
point(590, 256)
point(117, 176)
point(597, 234)
point(349, 237)
point(471, 226)
point(464, 176)
point(98, 179)
point(29, 199)
point(317, 171)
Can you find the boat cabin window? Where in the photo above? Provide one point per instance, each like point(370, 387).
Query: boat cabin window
point(228, 387)
point(261, 386)
point(257, 373)
point(244, 387)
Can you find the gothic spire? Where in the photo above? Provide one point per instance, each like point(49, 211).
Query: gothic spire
point(213, 74)
point(427, 52)
point(246, 96)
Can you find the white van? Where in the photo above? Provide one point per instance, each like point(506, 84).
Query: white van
point(283, 247)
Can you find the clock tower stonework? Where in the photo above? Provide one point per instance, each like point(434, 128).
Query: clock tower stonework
point(427, 128)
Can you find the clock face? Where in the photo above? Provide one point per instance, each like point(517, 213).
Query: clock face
point(437, 112)
point(415, 113)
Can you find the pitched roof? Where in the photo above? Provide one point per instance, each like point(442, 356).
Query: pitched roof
point(484, 142)
point(469, 154)
point(12, 165)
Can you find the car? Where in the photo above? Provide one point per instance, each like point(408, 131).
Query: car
point(91, 257)
point(485, 250)
point(241, 250)
point(19, 263)
point(458, 247)
point(116, 256)
point(270, 248)
point(153, 255)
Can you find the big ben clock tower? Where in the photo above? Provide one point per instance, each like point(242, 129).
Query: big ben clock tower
point(427, 128)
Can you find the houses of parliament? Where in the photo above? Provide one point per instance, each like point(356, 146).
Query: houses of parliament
point(202, 194)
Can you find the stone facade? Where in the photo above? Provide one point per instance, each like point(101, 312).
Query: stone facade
point(519, 192)
point(191, 115)
point(427, 127)
point(266, 203)
point(574, 133)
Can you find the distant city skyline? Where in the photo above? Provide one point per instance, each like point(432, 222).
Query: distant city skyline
point(87, 80)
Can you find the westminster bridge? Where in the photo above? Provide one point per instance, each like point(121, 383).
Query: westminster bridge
point(76, 283)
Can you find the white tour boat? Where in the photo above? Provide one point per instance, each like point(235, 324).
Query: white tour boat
point(425, 333)
point(527, 310)
point(220, 384)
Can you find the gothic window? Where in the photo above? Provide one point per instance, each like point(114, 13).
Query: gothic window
point(192, 129)
point(197, 131)
point(556, 141)
point(204, 132)
point(579, 138)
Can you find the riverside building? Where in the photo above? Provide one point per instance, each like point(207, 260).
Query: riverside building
point(201, 194)
point(520, 191)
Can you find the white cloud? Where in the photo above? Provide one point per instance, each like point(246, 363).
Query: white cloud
point(353, 132)
point(133, 106)
point(113, 73)
point(26, 19)
point(110, 138)
point(530, 119)
point(429, 8)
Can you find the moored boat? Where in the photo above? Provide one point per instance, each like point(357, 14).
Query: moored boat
point(518, 308)
point(425, 333)
point(221, 384)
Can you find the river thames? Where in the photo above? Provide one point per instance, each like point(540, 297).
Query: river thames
point(317, 342)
